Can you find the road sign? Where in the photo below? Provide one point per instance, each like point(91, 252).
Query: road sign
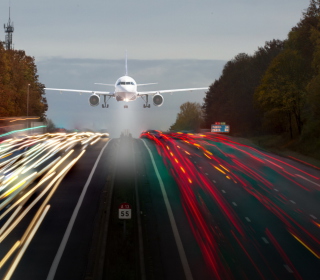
point(220, 128)
point(125, 211)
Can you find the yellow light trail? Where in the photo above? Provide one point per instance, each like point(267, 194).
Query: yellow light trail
point(29, 193)
point(61, 161)
point(6, 155)
point(9, 180)
point(22, 215)
point(224, 168)
point(8, 222)
point(207, 156)
point(95, 141)
point(17, 186)
point(216, 167)
point(307, 247)
point(25, 245)
point(317, 224)
point(8, 255)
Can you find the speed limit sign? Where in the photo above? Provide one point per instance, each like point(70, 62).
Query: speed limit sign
point(125, 211)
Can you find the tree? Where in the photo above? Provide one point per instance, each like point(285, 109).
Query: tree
point(189, 117)
point(17, 71)
point(313, 87)
point(282, 90)
point(51, 127)
point(282, 93)
point(230, 98)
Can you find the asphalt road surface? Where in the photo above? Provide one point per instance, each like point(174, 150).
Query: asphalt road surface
point(202, 206)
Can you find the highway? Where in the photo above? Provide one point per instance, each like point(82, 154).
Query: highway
point(203, 207)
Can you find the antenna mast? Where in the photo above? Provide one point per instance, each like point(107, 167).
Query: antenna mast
point(9, 30)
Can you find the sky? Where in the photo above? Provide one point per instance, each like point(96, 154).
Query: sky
point(181, 43)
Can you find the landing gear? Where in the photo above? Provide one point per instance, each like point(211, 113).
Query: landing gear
point(145, 100)
point(126, 106)
point(105, 100)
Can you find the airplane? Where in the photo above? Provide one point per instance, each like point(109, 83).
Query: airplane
point(126, 89)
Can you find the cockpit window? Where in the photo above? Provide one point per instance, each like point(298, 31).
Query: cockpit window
point(125, 83)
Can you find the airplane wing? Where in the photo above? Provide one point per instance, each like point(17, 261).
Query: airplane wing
point(168, 90)
point(83, 91)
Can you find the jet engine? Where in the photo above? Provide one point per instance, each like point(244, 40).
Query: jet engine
point(94, 100)
point(157, 100)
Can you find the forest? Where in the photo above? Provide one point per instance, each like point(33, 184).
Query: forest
point(275, 91)
point(18, 84)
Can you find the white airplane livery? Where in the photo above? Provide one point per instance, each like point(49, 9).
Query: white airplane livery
point(126, 89)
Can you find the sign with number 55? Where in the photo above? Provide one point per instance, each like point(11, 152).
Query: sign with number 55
point(125, 211)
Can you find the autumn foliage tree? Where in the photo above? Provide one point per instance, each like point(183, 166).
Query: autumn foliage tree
point(18, 75)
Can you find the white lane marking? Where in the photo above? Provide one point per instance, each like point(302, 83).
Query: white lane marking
point(276, 190)
point(176, 235)
point(248, 219)
point(313, 217)
point(288, 268)
point(308, 180)
point(65, 238)
point(235, 204)
point(292, 202)
point(265, 240)
point(223, 191)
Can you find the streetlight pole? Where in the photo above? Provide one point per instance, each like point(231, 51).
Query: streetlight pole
point(28, 105)
point(28, 101)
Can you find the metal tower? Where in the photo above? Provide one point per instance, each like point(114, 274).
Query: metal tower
point(9, 30)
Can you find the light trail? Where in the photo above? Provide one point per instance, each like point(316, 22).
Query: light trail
point(250, 169)
point(48, 157)
point(25, 245)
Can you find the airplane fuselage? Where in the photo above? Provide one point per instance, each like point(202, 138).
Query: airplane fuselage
point(126, 89)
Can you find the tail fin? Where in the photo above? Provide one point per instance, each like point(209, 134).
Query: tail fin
point(126, 64)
